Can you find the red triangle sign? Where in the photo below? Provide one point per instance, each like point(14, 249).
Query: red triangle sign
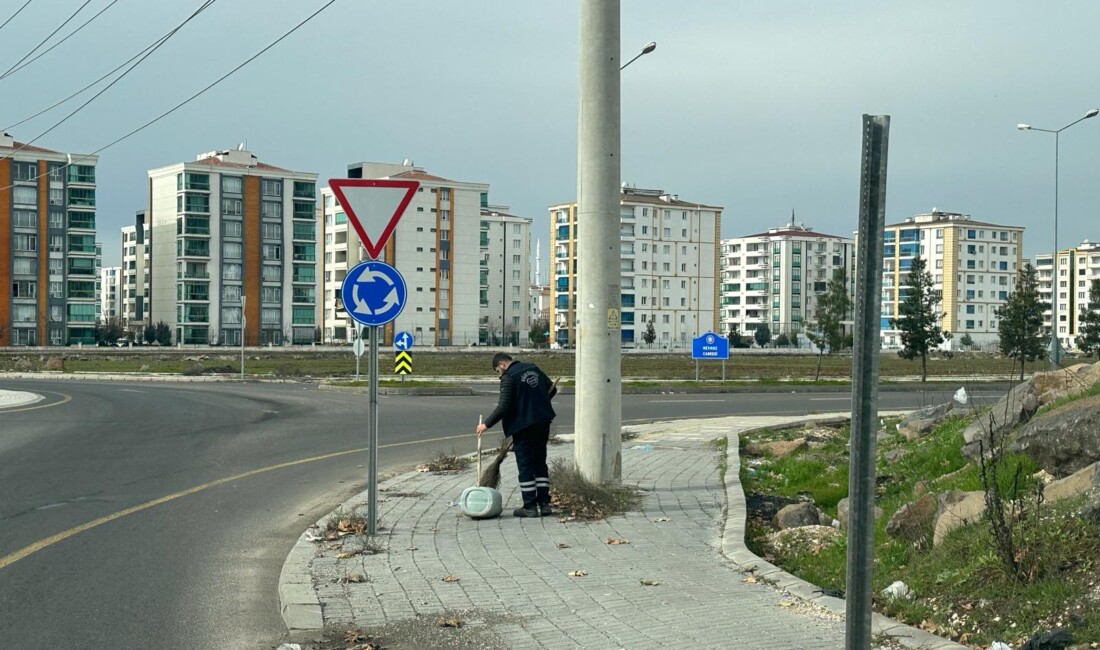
point(373, 207)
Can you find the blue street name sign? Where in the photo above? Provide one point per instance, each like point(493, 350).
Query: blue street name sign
point(373, 293)
point(403, 341)
point(710, 346)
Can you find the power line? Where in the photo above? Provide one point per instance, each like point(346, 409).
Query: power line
point(50, 49)
point(119, 67)
point(77, 158)
point(117, 79)
point(43, 42)
point(15, 14)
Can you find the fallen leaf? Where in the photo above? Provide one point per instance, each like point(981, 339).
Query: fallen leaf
point(344, 556)
point(750, 580)
point(649, 583)
point(450, 578)
point(354, 636)
point(617, 541)
point(563, 546)
point(579, 573)
point(786, 603)
point(355, 577)
point(449, 622)
point(411, 548)
point(660, 519)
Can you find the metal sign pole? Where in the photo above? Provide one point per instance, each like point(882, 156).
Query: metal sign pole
point(372, 435)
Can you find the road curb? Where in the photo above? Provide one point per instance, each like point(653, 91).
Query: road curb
point(733, 548)
point(298, 602)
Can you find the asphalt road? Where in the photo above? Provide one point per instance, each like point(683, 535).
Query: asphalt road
point(125, 521)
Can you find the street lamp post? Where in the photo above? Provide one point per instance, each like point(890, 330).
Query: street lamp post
point(1055, 347)
point(646, 49)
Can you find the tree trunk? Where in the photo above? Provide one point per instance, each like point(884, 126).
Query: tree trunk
point(820, 353)
point(923, 367)
point(1022, 362)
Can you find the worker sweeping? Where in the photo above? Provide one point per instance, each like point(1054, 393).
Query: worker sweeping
point(525, 410)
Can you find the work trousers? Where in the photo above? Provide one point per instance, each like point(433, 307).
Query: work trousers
point(534, 477)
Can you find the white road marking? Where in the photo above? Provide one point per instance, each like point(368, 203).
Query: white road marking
point(682, 401)
point(829, 399)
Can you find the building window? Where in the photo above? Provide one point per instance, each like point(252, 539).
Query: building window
point(271, 187)
point(271, 210)
point(232, 185)
point(232, 228)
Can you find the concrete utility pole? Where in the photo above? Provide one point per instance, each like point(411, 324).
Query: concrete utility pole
point(598, 420)
point(861, 473)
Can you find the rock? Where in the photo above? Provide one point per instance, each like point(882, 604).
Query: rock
point(1065, 440)
point(55, 363)
point(1018, 405)
point(842, 513)
point(894, 455)
point(1056, 639)
point(798, 515)
point(1080, 482)
point(920, 488)
point(23, 364)
point(913, 521)
point(920, 422)
point(810, 539)
point(956, 508)
point(781, 448)
point(897, 589)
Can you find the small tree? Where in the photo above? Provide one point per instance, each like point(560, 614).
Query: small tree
point(650, 334)
point(833, 308)
point(163, 333)
point(149, 334)
point(918, 320)
point(966, 341)
point(762, 334)
point(1020, 320)
point(1089, 340)
point(782, 340)
point(539, 333)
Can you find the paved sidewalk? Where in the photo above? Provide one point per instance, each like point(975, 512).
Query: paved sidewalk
point(513, 589)
point(13, 398)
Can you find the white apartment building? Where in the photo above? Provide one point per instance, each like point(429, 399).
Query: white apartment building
point(136, 248)
point(48, 262)
point(1077, 268)
point(233, 251)
point(774, 278)
point(504, 247)
point(973, 264)
point(110, 293)
point(436, 246)
point(669, 265)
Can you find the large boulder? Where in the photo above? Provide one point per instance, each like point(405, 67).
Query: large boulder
point(1018, 405)
point(798, 515)
point(920, 422)
point(913, 521)
point(955, 509)
point(55, 363)
point(806, 539)
point(1064, 440)
point(842, 513)
point(1080, 482)
point(778, 448)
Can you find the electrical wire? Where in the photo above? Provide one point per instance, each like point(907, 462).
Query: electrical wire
point(43, 42)
point(117, 79)
point(15, 14)
point(50, 49)
point(74, 159)
point(119, 67)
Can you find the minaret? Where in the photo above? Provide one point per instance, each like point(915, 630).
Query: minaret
point(538, 262)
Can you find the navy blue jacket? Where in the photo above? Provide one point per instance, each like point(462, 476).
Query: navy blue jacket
point(524, 398)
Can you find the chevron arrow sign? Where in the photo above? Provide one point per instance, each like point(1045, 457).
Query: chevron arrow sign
point(402, 363)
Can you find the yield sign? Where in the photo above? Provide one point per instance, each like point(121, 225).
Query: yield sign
point(373, 207)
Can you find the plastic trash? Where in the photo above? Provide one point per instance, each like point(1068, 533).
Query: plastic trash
point(289, 646)
point(643, 447)
point(897, 589)
point(961, 397)
point(999, 645)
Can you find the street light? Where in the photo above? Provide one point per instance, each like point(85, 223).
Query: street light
point(1055, 348)
point(649, 47)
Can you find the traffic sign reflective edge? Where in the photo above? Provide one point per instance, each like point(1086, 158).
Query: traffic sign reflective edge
point(373, 213)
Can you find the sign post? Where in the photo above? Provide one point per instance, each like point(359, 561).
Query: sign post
point(373, 292)
point(402, 358)
point(710, 346)
point(357, 348)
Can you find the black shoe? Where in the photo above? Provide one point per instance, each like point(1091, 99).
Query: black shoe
point(526, 512)
point(545, 510)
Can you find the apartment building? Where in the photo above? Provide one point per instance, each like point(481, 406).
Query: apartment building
point(48, 256)
point(503, 278)
point(233, 250)
point(973, 264)
point(669, 263)
point(1077, 268)
point(774, 278)
point(437, 248)
point(110, 293)
point(136, 251)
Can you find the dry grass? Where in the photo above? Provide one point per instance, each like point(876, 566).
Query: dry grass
point(575, 496)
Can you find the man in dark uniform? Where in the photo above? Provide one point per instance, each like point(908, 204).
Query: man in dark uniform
point(524, 407)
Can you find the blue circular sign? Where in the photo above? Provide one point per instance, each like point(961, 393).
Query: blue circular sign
point(403, 341)
point(373, 293)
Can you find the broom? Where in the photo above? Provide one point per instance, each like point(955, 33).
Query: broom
point(491, 476)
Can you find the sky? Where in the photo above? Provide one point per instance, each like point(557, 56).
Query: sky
point(754, 106)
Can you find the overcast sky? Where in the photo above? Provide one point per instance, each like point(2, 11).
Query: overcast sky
point(751, 105)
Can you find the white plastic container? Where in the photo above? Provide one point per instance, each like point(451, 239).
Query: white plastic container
point(481, 502)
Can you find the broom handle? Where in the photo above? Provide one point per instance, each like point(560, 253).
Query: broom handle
point(479, 421)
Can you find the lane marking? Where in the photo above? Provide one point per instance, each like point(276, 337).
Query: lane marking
point(829, 399)
point(682, 401)
point(46, 542)
point(132, 390)
point(64, 398)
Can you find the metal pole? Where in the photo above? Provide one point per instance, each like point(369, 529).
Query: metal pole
point(1054, 346)
point(598, 420)
point(244, 323)
point(697, 371)
point(372, 436)
point(861, 482)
